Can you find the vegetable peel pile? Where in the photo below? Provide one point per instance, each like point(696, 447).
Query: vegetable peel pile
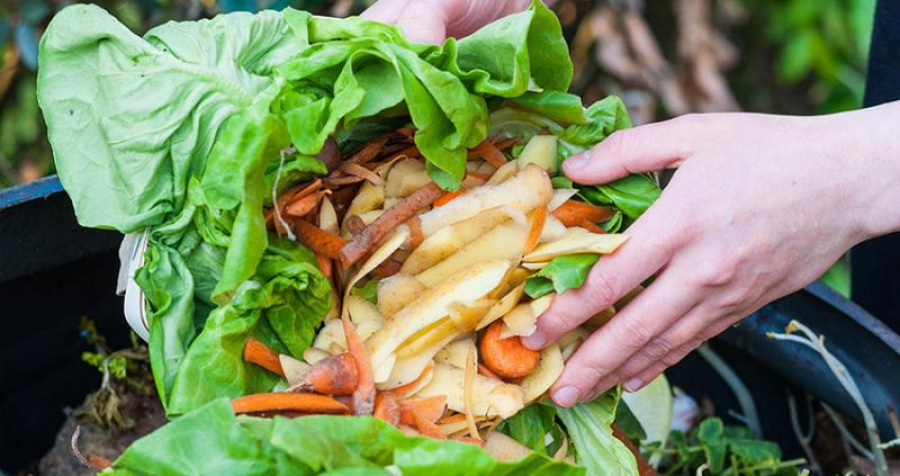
point(340, 223)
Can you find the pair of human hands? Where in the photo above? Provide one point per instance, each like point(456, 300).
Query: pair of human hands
point(760, 206)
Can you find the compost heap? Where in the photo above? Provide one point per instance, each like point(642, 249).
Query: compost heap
point(342, 222)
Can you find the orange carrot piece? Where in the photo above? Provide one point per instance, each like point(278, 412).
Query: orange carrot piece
point(456, 417)
point(573, 213)
point(334, 375)
point(507, 358)
point(318, 240)
point(486, 372)
point(406, 131)
point(405, 209)
point(431, 408)
point(427, 427)
point(592, 227)
point(286, 401)
point(260, 354)
point(387, 269)
point(508, 143)
point(304, 205)
point(370, 150)
point(537, 226)
point(324, 265)
point(643, 466)
point(490, 153)
point(387, 408)
point(446, 198)
point(364, 396)
point(357, 170)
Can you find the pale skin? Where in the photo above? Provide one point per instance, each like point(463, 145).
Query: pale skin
point(760, 206)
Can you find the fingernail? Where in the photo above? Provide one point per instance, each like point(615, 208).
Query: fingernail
point(566, 396)
point(536, 341)
point(577, 161)
point(633, 385)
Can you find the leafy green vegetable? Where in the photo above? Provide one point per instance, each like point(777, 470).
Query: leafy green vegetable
point(211, 440)
point(532, 425)
point(588, 426)
point(561, 274)
point(633, 194)
point(368, 291)
point(131, 119)
point(726, 450)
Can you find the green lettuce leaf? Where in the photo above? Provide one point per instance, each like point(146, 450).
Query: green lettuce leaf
point(561, 274)
point(531, 427)
point(211, 440)
point(589, 427)
point(633, 194)
point(130, 119)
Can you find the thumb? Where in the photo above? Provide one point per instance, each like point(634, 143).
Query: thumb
point(642, 149)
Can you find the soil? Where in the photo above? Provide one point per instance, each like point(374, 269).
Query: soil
point(142, 409)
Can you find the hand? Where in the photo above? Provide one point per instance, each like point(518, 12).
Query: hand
point(432, 21)
point(760, 206)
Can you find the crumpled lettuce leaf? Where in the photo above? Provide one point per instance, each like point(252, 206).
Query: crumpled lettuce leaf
point(211, 440)
point(589, 427)
point(561, 274)
point(131, 119)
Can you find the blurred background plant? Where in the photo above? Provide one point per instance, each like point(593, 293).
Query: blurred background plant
point(663, 58)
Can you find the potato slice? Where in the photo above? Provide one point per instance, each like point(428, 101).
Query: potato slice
point(504, 306)
point(432, 250)
point(422, 380)
point(540, 151)
point(504, 448)
point(491, 397)
point(535, 266)
point(560, 196)
point(577, 240)
point(427, 337)
point(313, 354)
point(549, 369)
point(522, 320)
point(396, 292)
point(466, 318)
point(598, 320)
point(464, 288)
point(503, 242)
point(294, 370)
point(570, 341)
point(553, 230)
point(504, 173)
point(331, 337)
point(526, 190)
point(362, 311)
point(401, 171)
point(368, 198)
point(383, 252)
point(454, 353)
point(328, 220)
point(486, 168)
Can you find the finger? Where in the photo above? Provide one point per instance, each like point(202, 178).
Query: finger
point(642, 149)
point(644, 318)
point(644, 253)
point(385, 11)
point(423, 22)
point(640, 378)
point(687, 331)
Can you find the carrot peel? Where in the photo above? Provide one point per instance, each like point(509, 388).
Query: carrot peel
point(507, 358)
point(281, 401)
point(537, 226)
point(260, 354)
point(364, 396)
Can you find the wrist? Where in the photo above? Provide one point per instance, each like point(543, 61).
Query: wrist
point(870, 144)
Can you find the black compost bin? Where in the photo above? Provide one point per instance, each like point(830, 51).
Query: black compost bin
point(53, 272)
